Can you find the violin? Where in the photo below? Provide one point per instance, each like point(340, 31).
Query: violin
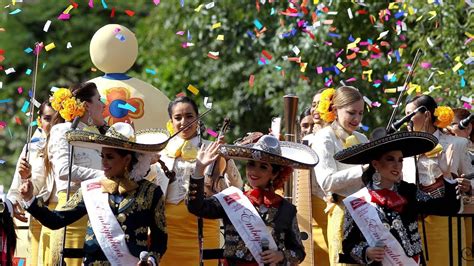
point(215, 171)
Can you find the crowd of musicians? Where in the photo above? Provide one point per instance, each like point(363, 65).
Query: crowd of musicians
point(130, 197)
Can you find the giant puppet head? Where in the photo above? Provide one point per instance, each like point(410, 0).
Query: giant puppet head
point(113, 50)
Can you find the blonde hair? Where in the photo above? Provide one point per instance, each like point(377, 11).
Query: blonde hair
point(346, 95)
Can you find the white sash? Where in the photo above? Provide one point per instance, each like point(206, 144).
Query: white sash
point(106, 228)
point(246, 220)
point(365, 215)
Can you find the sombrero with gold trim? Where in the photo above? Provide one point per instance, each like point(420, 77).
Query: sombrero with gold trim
point(409, 143)
point(270, 150)
point(121, 136)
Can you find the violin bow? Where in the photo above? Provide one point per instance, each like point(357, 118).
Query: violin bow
point(405, 85)
point(38, 48)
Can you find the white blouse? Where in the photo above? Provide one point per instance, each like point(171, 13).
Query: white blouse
point(86, 164)
point(43, 185)
point(331, 175)
point(177, 190)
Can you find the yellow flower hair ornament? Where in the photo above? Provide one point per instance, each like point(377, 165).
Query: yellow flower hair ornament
point(169, 127)
point(325, 109)
point(444, 116)
point(68, 106)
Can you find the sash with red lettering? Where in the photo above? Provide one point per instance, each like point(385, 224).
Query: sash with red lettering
point(246, 221)
point(365, 215)
point(106, 228)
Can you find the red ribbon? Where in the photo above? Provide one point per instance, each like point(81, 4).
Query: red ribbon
point(266, 197)
point(388, 198)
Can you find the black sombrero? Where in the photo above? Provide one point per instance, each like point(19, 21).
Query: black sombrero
point(268, 149)
point(410, 143)
point(121, 136)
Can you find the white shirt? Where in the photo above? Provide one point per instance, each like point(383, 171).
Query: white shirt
point(86, 164)
point(331, 175)
point(177, 190)
point(43, 185)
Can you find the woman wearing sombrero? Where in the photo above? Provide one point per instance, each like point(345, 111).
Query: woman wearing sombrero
point(381, 222)
point(449, 159)
point(122, 206)
point(260, 225)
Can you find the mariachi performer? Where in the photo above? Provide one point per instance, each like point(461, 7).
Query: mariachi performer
point(435, 165)
point(81, 101)
point(343, 110)
point(179, 157)
point(43, 185)
point(260, 226)
point(320, 218)
point(122, 206)
point(381, 220)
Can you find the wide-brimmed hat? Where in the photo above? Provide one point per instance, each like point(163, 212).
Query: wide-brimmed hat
point(409, 143)
point(121, 136)
point(270, 150)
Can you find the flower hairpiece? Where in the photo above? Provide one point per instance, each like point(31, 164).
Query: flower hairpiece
point(169, 127)
point(325, 110)
point(67, 105)
point(444, 116)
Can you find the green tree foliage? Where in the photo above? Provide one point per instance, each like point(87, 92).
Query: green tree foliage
point(447, 26)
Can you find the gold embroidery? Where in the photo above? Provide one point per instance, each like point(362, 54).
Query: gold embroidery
point(73, 201)
point(89, 237)
point(142, 243)
point(141, 230)
point(160, 219)
point(100, 263)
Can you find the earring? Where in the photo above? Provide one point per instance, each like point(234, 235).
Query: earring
point(90, 121)
point(270, 184)
point(376, 178)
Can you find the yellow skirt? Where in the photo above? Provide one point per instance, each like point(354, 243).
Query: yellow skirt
point(183, 246)
point(34, 233)
point(335, 233)
point(44, 249)
point(438, 240)
point(75, 234)
point(320, 237)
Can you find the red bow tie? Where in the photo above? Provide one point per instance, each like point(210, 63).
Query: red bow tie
point(388, 198)
point(266, 197)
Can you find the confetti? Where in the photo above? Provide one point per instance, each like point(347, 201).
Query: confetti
point(46, 26)
point(212, 56)
point(91, 3)
point(212, 132)
point(251, 80)
point(198, 9)
point(68, 45)
point(63, 16)
point(28, 50)
point(156, 2)
point(49, 47)
point(120, 37)
point(10, 70)
point(457, 66)
point(216, 25)
point(1, 85)
point(28, 72)
point(258, 24)
point(25, 107)
point(220, 37)
point(130, 13)
point(267, 54)
point(150, 71)
point(193, 89)
point(210, 5)
point(127, 106)
point(207, 103)
point(296, 50)
point(104, 4)
point(180, 33)
point(14, 12)
point(2, 161)
point(20, 90)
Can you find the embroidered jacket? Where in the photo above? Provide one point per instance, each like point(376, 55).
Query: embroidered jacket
point(136, 212)
point(403, 225)
point(281, 221)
